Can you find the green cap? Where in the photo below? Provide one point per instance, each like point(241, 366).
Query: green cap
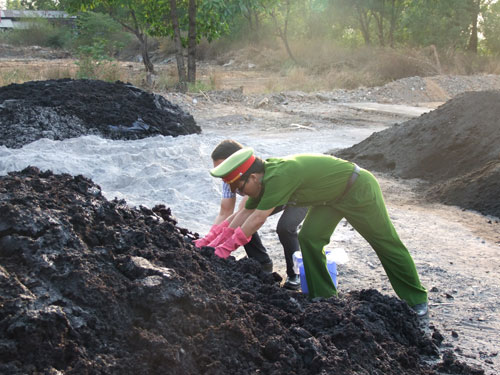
point(231, 169)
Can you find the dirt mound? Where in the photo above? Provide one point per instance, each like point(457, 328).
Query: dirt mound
point(438, 88)
point(94, 286)
point(455, 143)
point(60, 109)
point(478, 190)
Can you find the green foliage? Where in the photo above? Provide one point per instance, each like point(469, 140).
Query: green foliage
point(443, 23)
point(40, 33)
point(14, 4)
point(351, 38)
point(100, 29)
point(92, 59)
point(39, 4)
point(491, 29)
point(213, 18)
point(200, 86)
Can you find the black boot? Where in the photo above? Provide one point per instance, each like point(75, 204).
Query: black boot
point(292, 282)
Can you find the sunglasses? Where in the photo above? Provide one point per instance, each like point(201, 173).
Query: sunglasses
point(240, 189)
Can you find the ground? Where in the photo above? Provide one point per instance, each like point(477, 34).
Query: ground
point(457, 251)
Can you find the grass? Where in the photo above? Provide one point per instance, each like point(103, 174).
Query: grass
point(322, 66)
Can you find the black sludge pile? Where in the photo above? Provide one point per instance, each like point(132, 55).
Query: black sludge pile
point(90, 286)
point(456, 148)
point(66, 108)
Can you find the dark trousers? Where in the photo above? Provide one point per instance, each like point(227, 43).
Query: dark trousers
point(287, 233)
point(256, 250)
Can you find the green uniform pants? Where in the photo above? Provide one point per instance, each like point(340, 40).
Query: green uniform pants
point(364, 208)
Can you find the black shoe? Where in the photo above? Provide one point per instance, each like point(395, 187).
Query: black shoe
point(267, 267)
point(421, 309)
point(292, 282)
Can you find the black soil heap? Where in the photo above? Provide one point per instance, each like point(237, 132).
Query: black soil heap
point(60, 109)
point(93, 286)
point(456, 148)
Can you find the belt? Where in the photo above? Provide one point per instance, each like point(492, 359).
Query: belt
point(350, 182)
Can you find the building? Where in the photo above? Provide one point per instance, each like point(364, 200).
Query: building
point(21, 19)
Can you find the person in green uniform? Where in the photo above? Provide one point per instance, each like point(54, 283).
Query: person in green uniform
point(333, 189)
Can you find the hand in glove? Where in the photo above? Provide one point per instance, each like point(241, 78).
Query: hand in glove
point(226, 233)
point(236, 240)
point(214, 231)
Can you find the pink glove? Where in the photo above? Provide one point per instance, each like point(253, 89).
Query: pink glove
point(214, 231)
point(222, 237)
point(237, 239)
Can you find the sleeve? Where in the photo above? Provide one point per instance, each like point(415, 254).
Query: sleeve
point(226, 191)
point(278, 188)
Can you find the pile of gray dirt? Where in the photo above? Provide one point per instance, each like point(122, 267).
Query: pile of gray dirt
point(455, 148)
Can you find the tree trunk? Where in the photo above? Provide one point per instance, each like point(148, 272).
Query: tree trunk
point(392, 27)
point(364, 23)
point(378, 12)
point(282, 33)
point(256, 25)
point(248, 15)
point(145, 55)
point(379, 19)
point(143, 40)
point(192, 42)
point(473, 39)
point(181, 69)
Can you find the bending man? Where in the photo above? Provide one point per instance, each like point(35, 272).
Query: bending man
point(286, 228)
point(333, 189)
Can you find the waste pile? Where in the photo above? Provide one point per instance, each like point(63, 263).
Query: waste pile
point(456, 148)
point(89, 285)
point(67, 108)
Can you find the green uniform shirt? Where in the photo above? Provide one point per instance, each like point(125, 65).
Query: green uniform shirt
point(302, 180)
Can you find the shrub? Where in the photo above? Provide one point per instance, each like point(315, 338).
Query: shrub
point(40, 33)
point(94, 63)
point(102, 29)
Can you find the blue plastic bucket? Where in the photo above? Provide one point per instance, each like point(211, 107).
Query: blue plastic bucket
point(330, 263)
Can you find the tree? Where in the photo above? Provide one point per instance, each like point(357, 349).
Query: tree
point(477, 9)
point(192, 42)
point(359, 12)
point(132, 15)
point(389, 11)
point(252, 10)
point(381, 17)
point(99, 28)
point(280, 13)
point(39, 4)
point(197, 19)
point(491, 28)
point(443, 23)
point(364, 18)
point(181, 70)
